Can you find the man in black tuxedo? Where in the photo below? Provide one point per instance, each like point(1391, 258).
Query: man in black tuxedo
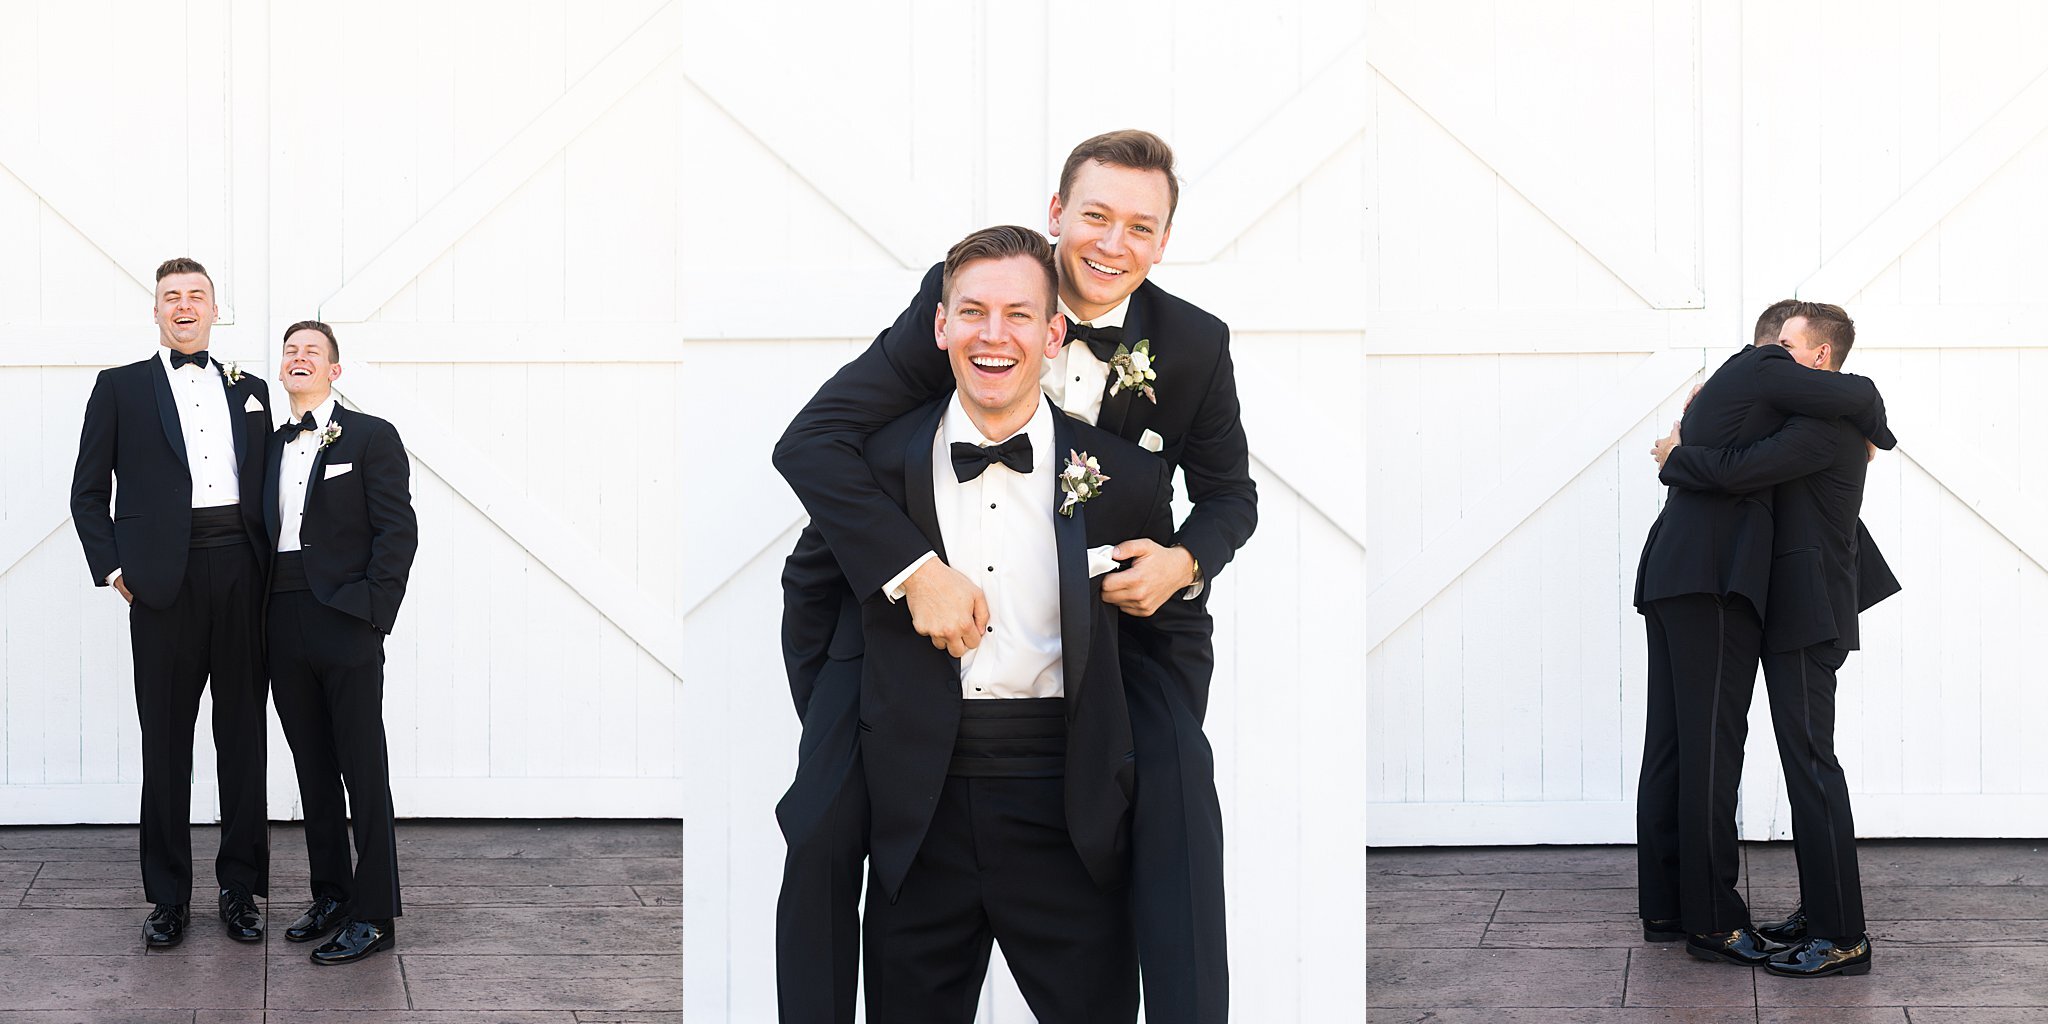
point(1703, 586)
point(338, 513)
point(1824, 572)
point(1111, 216)
point(184, 434)
point(1000, 778)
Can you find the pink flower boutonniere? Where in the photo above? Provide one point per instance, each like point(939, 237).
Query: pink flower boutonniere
point(330, 434)
point(1082, 479)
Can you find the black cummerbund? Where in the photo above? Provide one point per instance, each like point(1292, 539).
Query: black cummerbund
point(218, 527)
point(288, 573)
point(1020, 738)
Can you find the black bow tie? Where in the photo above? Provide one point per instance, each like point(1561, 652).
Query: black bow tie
point(970, 459)
point(195, 359)
point(1100, 340)
point(291, 428)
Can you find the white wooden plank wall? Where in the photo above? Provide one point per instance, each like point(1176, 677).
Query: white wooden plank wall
point(535, 667)
point(1886, 157)
point(835, 187)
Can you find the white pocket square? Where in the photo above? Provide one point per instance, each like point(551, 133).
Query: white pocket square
point(1151, 441)
point(1101, 561)
point(336, 470)
point(253, 405)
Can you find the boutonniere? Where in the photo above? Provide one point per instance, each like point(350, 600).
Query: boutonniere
point(233, 373)
point(1081, 480)
point(1133, 369)
point(329, 434)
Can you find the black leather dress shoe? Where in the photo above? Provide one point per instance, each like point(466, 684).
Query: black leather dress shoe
point(1791, 931)
point(322, 917)
point(1741, 946)
point(238, 911)
point(1662, 930)
point(356, 940)
point(1818, 958)
point(165, 926)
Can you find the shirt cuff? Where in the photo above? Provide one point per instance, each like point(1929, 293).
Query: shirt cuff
point(112, 576)
point(893, 590)
point(1194, 590)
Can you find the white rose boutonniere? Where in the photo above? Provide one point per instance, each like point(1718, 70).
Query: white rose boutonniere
point(1133, 369)
point(232, 371)
point(1081, 479)
point(330, 434)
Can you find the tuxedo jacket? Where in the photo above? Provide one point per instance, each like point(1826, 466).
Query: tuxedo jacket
point(1719, 542)
point(1825, 569)
point(358, 534)
point(858, 540)
point(910, 690)
point(132, 432)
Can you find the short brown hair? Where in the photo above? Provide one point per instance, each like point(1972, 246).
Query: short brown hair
point(182, 265)
point(1772, 320)
point(1131, 147)
point(333, 346)
point(998, 243)
point(1829, 323)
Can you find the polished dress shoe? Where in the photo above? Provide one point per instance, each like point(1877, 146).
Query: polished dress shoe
point(165, 926)
point(1741, 946)
point(322, 917)
point(356, 940)
point(1818, 958)
point(1662, 929)
point(1791, 931)
point(238, 911)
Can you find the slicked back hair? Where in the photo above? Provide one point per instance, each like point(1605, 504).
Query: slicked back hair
point(998, 243)
point(333, 346)
point(1772, 320)
point(1131, 147)
point(1829, 323)
point(182, 265)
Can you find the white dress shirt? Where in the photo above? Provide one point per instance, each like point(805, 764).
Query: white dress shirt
point(201, 399)
point(294, 473)
point(998, 529)
point(1075, 380)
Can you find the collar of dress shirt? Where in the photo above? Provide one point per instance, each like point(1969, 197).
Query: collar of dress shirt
point(1113, 318)
point(957, 427)
point(163, 355)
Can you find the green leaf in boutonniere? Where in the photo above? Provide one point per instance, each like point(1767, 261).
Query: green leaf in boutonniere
point(1081, 480)
point(1133, 369)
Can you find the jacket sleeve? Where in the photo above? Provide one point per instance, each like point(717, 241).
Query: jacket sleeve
point(1803, 391)
point(394, 530)
point(92, 489)
point(1804, 446)
point(1218, 467)
point(820, 454)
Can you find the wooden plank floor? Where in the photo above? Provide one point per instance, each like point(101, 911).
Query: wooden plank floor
point(506, 922)
point(1549, 935)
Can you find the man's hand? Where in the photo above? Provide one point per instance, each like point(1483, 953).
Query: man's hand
point(947, 607)
point(121, 587)
point(1155, 576)
point(1694, 394)
point(1870, 450)
point(1662, 448)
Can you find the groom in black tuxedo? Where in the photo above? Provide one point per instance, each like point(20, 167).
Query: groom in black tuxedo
point(338, 513)
point(1112, 216)
point(183, 434)
point(1825, 570)
point(1704, 587)
point(1000, 779)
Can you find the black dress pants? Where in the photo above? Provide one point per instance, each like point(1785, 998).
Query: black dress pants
point(210, 632)
point(1801, 685)
point(327, 671)
point(997, 864)
point(1704, 651)
point(824, 819)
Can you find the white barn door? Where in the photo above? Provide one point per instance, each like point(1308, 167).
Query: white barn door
point(1562, 252)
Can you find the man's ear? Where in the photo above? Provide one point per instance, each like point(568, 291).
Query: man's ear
point(1056, 335)
point(1052, 216)
point(939, 326)
point(333, 372)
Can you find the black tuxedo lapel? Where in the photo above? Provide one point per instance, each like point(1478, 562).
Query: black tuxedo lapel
point(273, 454)
point(1070, 537)
point(1116, 409)
point(167, 411)
point(235, 416)
point(314, 474)
point(917, 478)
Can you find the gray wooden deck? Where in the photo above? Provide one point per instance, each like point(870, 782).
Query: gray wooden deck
point(508, 922)
point(1548, 935)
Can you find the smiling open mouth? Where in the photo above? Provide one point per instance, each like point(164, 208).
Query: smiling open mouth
point(993, 365)
point(1100, 269)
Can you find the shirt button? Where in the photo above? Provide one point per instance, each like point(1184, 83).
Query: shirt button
point(991, 629)
point(991, 504)
point(991, 568)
